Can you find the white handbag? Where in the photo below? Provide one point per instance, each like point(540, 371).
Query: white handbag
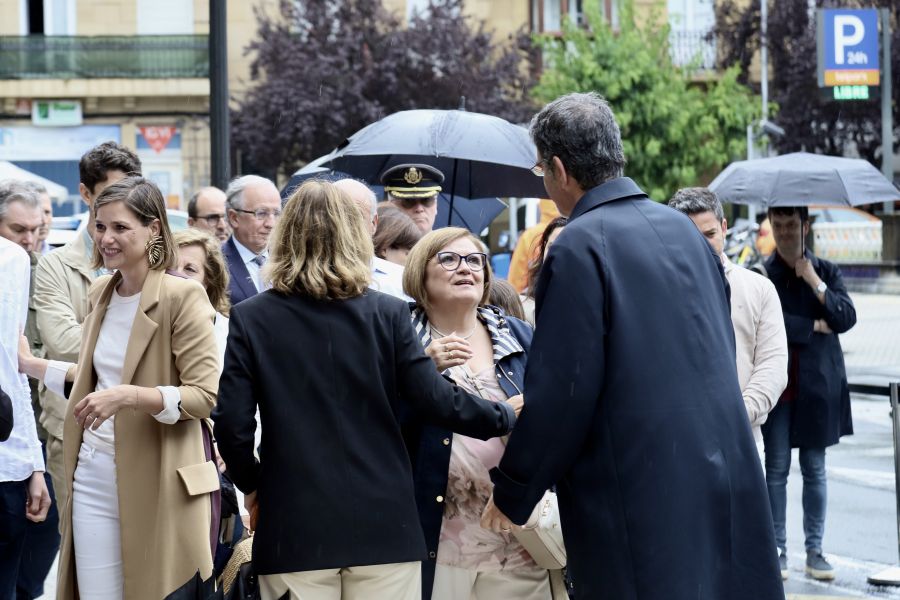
point(542, 534)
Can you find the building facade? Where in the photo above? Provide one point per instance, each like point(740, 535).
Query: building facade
point(75, 73)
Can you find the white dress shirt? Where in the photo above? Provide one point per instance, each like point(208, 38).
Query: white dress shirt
point(249, 258)
point(387, 278)
point(20, 455)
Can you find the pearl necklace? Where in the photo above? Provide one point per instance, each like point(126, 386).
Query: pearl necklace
point(435, 330)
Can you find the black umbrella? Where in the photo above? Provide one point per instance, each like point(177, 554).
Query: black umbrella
point(474, 214)
point(481, 156)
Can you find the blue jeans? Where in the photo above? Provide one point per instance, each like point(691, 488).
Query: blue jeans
point(777, 439)
point(13, 527)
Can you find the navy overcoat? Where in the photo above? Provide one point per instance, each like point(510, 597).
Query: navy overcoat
point(632, 407)
point(820, 414)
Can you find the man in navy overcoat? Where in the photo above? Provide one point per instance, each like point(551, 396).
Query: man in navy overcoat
point(632, 403)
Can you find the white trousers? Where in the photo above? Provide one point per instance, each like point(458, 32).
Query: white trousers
point(397, 581)
point(95, 526)
point(451, 583)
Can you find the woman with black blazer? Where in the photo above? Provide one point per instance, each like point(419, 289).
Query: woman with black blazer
point(334, 368)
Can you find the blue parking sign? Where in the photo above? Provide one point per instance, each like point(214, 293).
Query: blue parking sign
point(848, 47)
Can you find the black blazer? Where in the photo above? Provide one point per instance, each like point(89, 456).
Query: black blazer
point(240, 286)
point(333, 380)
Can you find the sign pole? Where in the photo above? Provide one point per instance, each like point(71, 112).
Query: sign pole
point(887, 115)
point(891, 575)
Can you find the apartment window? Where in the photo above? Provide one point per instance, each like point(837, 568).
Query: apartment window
point(547, 16)
point(48, 17)
point(690, 22)
point(165, 17)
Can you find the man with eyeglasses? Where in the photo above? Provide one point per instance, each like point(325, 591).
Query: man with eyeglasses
point(206, 211)
point(253, 205)
point(633, 408)
point(414, 189)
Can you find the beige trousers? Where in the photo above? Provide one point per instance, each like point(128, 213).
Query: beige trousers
point(397, 581)
point(451, 583)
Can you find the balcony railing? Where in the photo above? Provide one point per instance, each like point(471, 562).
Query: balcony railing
point(89, 57)
point(695, 48)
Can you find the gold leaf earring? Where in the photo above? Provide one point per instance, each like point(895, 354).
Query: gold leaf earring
point(154, 251)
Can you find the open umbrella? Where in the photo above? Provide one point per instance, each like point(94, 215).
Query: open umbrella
point(474, 215)
point(10, 171)
point(801, 179)
point(480, 155)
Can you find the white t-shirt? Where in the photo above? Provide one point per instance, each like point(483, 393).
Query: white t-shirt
point(109, 359)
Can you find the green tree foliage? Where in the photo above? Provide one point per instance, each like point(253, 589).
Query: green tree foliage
point(676, 132)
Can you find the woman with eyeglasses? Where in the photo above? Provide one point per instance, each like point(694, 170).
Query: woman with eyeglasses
point(333, 367)
point(484, 351)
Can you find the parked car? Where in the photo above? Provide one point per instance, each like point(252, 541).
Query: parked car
point(64, 229)
point(840, 233)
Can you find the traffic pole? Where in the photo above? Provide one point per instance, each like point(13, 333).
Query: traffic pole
point(218, 94)
point(887, 114)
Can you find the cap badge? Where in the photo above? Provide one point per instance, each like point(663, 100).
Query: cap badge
point(412, 176)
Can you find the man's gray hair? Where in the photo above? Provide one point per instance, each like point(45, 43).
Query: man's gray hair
point(13, 190)
point(234, 195)
point(34, 186)
point(580, 130)
point(695, 200)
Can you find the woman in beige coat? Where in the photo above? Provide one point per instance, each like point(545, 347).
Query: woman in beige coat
point(137, 521)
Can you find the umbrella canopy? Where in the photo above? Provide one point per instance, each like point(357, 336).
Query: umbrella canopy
point(479, 155)
point(801, 179)
point(10, 171)
point(473, 215)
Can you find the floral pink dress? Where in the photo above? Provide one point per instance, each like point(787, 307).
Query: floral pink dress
point(464, 544)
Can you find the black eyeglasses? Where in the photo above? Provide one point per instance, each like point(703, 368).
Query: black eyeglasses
point(212, 219)
point(260, 214)
point(452, 260)
point(538, 168)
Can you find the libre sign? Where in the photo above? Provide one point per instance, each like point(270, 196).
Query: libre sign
point(847, 43)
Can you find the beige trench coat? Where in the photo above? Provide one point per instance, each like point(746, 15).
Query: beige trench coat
point(163, 477)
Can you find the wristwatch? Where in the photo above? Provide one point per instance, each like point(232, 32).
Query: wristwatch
point(820, 289)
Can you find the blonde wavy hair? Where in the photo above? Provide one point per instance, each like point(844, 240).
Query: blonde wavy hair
point(215, 273)
point(320, 246)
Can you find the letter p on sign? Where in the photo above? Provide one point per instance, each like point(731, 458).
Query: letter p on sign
point(848, 31)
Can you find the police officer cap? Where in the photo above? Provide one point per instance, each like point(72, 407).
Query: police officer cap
point(412, 181)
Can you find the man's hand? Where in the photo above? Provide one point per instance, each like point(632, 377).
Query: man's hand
point(804, 269)
point(517, 402)
point(495, 520)
point(253, 508)
point(38, 498)
point(821, 326)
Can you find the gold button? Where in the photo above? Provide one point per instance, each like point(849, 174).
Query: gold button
point(446, 441)
point(440, 498)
